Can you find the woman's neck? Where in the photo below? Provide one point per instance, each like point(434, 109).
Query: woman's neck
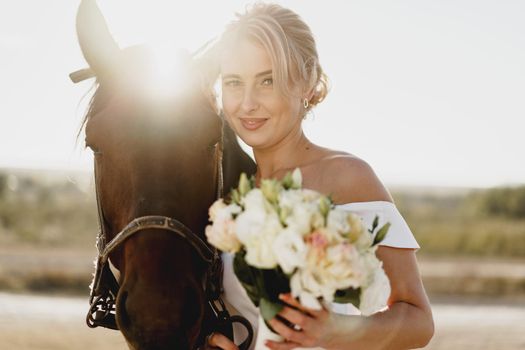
point(288, 154)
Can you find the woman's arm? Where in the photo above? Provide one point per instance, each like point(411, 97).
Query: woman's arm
point(407, 323)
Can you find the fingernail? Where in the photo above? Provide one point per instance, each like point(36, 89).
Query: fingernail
point(282, 296)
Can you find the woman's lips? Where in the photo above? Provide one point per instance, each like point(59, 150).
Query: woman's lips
point(252, 123)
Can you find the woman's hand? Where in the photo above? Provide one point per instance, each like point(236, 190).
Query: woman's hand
point(312, 327)
point(219, 341)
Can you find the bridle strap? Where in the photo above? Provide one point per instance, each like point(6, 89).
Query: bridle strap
point(162, 223)
point(219, 155)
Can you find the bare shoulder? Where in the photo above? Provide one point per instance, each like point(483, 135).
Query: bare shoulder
point(351, 179)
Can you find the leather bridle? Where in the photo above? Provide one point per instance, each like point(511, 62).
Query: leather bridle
point(105, 287)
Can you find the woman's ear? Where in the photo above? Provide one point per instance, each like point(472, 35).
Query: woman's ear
point(308, 94)
point(311, 94)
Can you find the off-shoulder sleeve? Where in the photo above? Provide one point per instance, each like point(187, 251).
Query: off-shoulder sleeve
point(399, 235)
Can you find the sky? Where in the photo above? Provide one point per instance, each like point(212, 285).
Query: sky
point(429, 93)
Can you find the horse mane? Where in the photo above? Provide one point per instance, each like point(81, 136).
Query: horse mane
point(93, 107)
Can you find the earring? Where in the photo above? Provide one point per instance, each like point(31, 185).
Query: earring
point(305, 103)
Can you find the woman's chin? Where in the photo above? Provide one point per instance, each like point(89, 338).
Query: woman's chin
point(254, 141)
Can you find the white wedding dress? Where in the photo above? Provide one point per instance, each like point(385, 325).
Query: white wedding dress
point(398, 236)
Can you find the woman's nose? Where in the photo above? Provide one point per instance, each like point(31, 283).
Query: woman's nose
point(249, 101)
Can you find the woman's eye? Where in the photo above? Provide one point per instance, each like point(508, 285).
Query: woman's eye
point(267, 82)
point(232, 83)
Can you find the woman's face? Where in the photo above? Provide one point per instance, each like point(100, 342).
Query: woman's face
point(257, 112)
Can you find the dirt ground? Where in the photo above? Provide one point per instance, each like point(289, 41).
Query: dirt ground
point(29, 322)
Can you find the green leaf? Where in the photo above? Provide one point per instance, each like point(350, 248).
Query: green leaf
point(269, 308)
point(324, 206)
point(270, 189)
point(244, 185)
point(274, 282)
point(374, 224)
point(348, 296)
point(236, 197)
point(252, 181)
point(381, 234)
point(246, 275)
point(284, 213)
point(287, 181)
point(260, 283)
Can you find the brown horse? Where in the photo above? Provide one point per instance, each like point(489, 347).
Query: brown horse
point(158, 159)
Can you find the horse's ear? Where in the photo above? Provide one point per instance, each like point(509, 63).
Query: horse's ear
point(98, 46)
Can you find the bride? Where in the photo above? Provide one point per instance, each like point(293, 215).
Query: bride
point(270, 78)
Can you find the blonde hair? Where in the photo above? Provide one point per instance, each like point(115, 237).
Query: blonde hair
point(289, 43)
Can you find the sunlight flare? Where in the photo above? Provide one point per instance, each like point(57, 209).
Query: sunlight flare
point(168, 76)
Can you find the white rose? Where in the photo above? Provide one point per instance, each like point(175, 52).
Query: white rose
point(309, 300)
point(295, 284)
point(290, 250)
point(257, 230)
point(260, 253)
point(304, 217)
point(337, 221)
point(300, 219)
point(303, 286)
point(250, 224)
point(254, 200)
point(343, 267)
point(221, 233)
point(375, 296)
point(215, 208)
point(223, 236)
point(371, 264)
point(317, 243)
point(290, 198)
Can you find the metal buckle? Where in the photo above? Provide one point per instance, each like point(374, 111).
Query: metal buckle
point(102, 312)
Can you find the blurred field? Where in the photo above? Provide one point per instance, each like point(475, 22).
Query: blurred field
point(473, 241)
point(472, 262)
point(59, 210)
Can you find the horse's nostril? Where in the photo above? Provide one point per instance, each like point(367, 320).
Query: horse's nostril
point(122, 314)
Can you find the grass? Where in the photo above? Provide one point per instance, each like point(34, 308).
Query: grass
point(494, 237)
point(451, 225)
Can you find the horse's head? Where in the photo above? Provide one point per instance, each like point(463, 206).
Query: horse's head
point(153, 156)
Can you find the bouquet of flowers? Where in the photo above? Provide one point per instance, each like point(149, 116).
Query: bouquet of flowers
point(288, 239)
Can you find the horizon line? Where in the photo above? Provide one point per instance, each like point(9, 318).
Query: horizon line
point(388, 184)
